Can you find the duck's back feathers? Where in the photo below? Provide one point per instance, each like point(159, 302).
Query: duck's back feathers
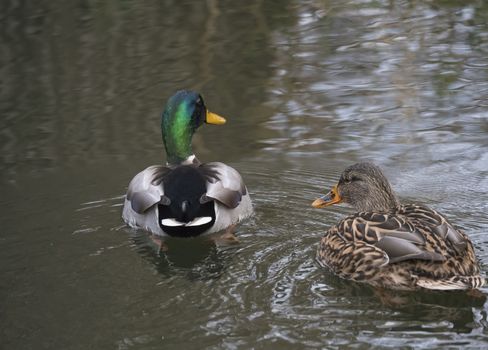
point(186, 200)
point(144, 190)
point(224, 184)
point(185, 214)
point(437, 223)
point(420, 248)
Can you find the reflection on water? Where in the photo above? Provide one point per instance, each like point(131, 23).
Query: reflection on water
point(197, 258)
point(308, 87)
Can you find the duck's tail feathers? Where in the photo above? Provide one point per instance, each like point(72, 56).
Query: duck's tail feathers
point(451, 283)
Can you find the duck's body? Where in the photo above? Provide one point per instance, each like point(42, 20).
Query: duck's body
point(395, 246)
point(198, 199)
point(186, 198)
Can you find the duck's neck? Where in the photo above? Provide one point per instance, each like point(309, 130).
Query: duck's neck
point(178, 149)
point(177, 136)
point(383, 205)
point(381, 200)
point(191, 160)
point(390, 200)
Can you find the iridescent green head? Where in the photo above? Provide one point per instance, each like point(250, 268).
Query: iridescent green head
point(184, 112)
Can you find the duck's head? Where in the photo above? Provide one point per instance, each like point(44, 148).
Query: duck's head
point(364, 187)
point(184, 112)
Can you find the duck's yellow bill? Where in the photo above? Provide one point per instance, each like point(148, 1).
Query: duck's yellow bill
point(213, 118)
point(330, 198)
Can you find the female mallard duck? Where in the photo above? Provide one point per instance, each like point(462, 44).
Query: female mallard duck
point(390, 245)
point(185, 197)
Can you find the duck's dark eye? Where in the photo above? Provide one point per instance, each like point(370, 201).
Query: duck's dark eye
point(199, 112)
point(348, 180)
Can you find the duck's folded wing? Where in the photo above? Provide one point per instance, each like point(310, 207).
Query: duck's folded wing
point(146, 189)
point(438, 224)
point(393, 234)
point(224, 184)
point(399, 249)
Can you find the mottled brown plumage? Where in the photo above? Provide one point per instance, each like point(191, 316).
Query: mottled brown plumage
point(390, 245)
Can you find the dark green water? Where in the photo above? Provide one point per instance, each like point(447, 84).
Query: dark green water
point(308, 87)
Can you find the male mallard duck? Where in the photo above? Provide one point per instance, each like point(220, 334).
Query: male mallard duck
point(185, 197)
point(390, 245)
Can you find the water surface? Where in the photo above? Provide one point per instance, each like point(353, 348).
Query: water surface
point(308, 87)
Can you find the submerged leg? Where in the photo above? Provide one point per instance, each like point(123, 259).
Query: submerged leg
point(228, 237)
point(162, 247)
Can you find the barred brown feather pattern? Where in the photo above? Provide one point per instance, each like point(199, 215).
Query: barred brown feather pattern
point(419, 249)
point(355, 260)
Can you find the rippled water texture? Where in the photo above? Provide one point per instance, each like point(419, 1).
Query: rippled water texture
point(308, 87)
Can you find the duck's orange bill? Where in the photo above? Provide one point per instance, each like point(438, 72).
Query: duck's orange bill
point(213, 118)
point(329, 199)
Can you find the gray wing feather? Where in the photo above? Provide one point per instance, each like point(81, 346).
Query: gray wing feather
point(439, 224)
point(395, 235)
point(145, 190)
point(142, 201)
point(446, 231)
point(399, 250)
point(224, 184)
